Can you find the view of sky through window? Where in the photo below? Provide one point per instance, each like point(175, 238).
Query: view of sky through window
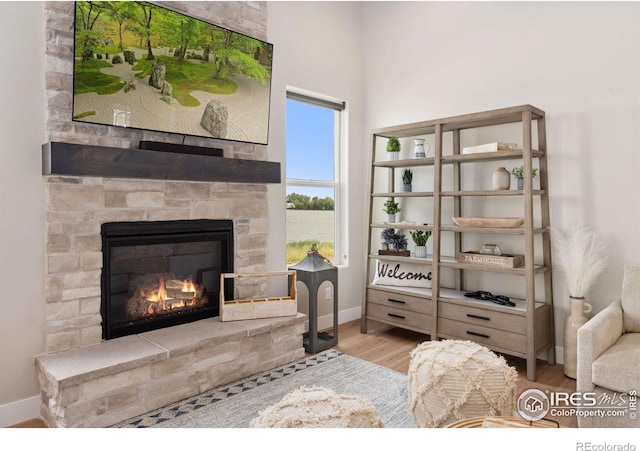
point(310, 141)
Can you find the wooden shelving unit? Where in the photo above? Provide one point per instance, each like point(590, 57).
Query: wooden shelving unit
point(526, 330)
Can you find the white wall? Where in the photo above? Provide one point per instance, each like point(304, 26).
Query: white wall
point(22, 201)
point(579, 62)
point(317, 48)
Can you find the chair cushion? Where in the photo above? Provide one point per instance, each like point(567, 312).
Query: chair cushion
point(618, 368)
point(631, 298)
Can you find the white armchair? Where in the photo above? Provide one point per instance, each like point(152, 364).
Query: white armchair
point(609, 357)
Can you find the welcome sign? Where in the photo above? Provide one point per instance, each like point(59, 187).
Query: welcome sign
point(402, 275)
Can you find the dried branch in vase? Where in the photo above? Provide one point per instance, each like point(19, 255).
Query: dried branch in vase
point(580, 256)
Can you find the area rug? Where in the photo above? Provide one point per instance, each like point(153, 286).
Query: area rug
point(236, 404)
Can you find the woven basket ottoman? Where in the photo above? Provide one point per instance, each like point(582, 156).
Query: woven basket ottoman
point(452, 380)
point(318, 407)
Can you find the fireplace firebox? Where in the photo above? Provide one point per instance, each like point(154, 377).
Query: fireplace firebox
point(163, 273)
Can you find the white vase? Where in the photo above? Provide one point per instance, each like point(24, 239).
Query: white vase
point(421, 251)
point(419, 150)
point(394, 156)
point(574, 321)
point(406, 188)
point(501, 179)
point(391, 219)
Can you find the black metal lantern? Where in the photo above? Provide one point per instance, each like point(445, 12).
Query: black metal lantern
point(313, 270)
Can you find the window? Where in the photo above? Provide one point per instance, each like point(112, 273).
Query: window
point(313, 197)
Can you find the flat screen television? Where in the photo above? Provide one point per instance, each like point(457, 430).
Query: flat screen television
point(146, 67)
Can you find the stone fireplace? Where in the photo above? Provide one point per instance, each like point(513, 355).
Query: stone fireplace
point(88, 381)
point(78, 207)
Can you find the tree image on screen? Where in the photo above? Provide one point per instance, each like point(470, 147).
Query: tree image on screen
point(142, 66)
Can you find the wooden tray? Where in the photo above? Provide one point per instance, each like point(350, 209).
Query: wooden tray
point(502, 261)
point(488, 222)
point(271, 307)
point(395, 253)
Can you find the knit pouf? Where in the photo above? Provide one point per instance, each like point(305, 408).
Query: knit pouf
point(451, 380)
point(318, 407)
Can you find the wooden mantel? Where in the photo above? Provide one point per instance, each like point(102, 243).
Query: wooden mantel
point(98, 161)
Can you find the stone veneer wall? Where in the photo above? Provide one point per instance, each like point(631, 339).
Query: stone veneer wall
point(77, 206)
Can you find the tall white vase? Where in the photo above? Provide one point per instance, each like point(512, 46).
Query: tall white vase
point(573, 322)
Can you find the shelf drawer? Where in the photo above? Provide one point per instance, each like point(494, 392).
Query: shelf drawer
point(481, 317)
point(484, 335)
point(399, 301)
point(399, 317)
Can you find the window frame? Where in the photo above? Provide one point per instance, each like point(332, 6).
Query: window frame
point(337, 184)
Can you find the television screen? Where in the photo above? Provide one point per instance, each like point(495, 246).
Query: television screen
point(142, 66)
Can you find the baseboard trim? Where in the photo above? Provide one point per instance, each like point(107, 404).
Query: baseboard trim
point(344, 316)
point(19, 411)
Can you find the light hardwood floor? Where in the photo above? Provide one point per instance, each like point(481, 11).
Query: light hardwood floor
point(391, 347)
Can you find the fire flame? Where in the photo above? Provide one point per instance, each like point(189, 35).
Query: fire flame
point(161, 295)
point(188, 286)
point(158, 299)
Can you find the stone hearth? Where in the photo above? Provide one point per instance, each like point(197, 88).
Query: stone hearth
point(100, 385)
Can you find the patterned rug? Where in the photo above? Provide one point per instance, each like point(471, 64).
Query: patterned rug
point(236, 404)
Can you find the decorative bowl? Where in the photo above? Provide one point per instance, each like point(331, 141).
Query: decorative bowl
point(488, 222)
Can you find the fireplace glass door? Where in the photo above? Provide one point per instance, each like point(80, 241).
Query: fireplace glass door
point(160, 274)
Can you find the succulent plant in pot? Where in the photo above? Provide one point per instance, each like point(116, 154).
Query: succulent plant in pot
point(420, 238)
point(407, 179)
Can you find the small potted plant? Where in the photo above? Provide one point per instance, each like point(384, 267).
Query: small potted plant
point(407, 178)
point(420, 238)
point(393, 148)
point(398, 241)
point(518, 173)
point(391, 208)
point(386, 237)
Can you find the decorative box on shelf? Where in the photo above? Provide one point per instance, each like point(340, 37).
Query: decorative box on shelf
point(489, 147)
point(502, 261)
point(267, 307)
